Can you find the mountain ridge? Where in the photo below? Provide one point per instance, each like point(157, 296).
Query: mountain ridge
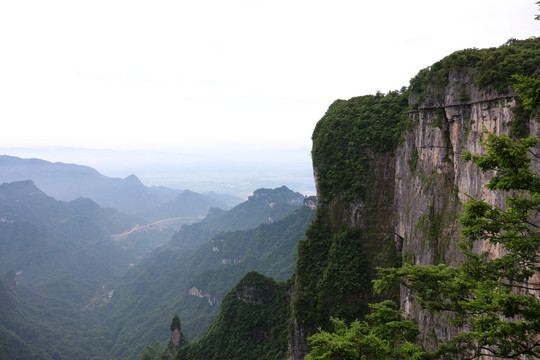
point(67, 182)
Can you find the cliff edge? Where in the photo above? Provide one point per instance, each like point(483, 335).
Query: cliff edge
point(391, 181)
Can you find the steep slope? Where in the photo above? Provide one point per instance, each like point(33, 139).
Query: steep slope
point(58, 263)
point(454, 103)
point(353, 228)
point(391, 185)
point(193, 282)
point(252, 323)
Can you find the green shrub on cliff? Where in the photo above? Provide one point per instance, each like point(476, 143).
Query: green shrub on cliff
point(252, 323)
point(384, 335)
point(491, 69)
point(347, 133)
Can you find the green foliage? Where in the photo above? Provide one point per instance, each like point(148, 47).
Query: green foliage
point(439, 118)
point(346, 276)
point(348, 132)
point(334, 271)
point(252, 323)
point(175, 323)
point(492, 69)
point(384, 335)
point(519, 126)
point(491, 297)
point(413, 161)
point(310, 265)
point(527, 105)
point(529, 89)
point(247, 215)
point(153, 351)
point(431, 224)
point(158, 287)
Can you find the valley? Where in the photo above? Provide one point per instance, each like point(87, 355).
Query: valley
point(124, 275)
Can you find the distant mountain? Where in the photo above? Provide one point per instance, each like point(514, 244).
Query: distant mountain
point(68, 182)
point(186, 204)
point(65, 291)
point(57, 267)
point(263, 207)
point(42, 238)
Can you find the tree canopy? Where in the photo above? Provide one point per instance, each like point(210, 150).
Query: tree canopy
point(175, 323)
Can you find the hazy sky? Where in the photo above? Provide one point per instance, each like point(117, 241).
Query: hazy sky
point(170, 75)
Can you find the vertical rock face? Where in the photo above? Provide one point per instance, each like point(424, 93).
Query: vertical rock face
point(432, 182)
point(353, 232)
point(404, 199)
point(372, 236)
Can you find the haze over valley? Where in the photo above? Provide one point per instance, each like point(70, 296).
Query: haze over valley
point(228, 170)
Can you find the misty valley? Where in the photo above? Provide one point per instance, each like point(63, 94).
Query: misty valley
point(100, 273)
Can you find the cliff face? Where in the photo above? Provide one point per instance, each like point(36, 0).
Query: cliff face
point(430, 188)
point(353, 231)
point(401, 202)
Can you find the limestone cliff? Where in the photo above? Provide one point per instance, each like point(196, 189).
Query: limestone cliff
point(391, 181)
point(429, 191)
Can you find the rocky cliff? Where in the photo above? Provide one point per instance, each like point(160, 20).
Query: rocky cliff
point(391, 181)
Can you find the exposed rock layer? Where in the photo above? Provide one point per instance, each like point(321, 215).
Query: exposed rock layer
point(416, 192)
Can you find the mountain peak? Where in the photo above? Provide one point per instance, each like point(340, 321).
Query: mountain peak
point(18, 189)
point(281, 194)
point(133, 179)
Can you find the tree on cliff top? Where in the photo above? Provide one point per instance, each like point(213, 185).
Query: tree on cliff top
point(175, 323)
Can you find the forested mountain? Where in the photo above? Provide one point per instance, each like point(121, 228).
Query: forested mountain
point(66, 291)
point(252, 323)
point(391, 185)
point(186, 204)
point(59, 266)
point(263, 207)
point(193, 282)
point(42, 238)
point(59, 320)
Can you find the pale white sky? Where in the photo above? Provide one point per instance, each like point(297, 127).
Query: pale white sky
point(173, 74)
